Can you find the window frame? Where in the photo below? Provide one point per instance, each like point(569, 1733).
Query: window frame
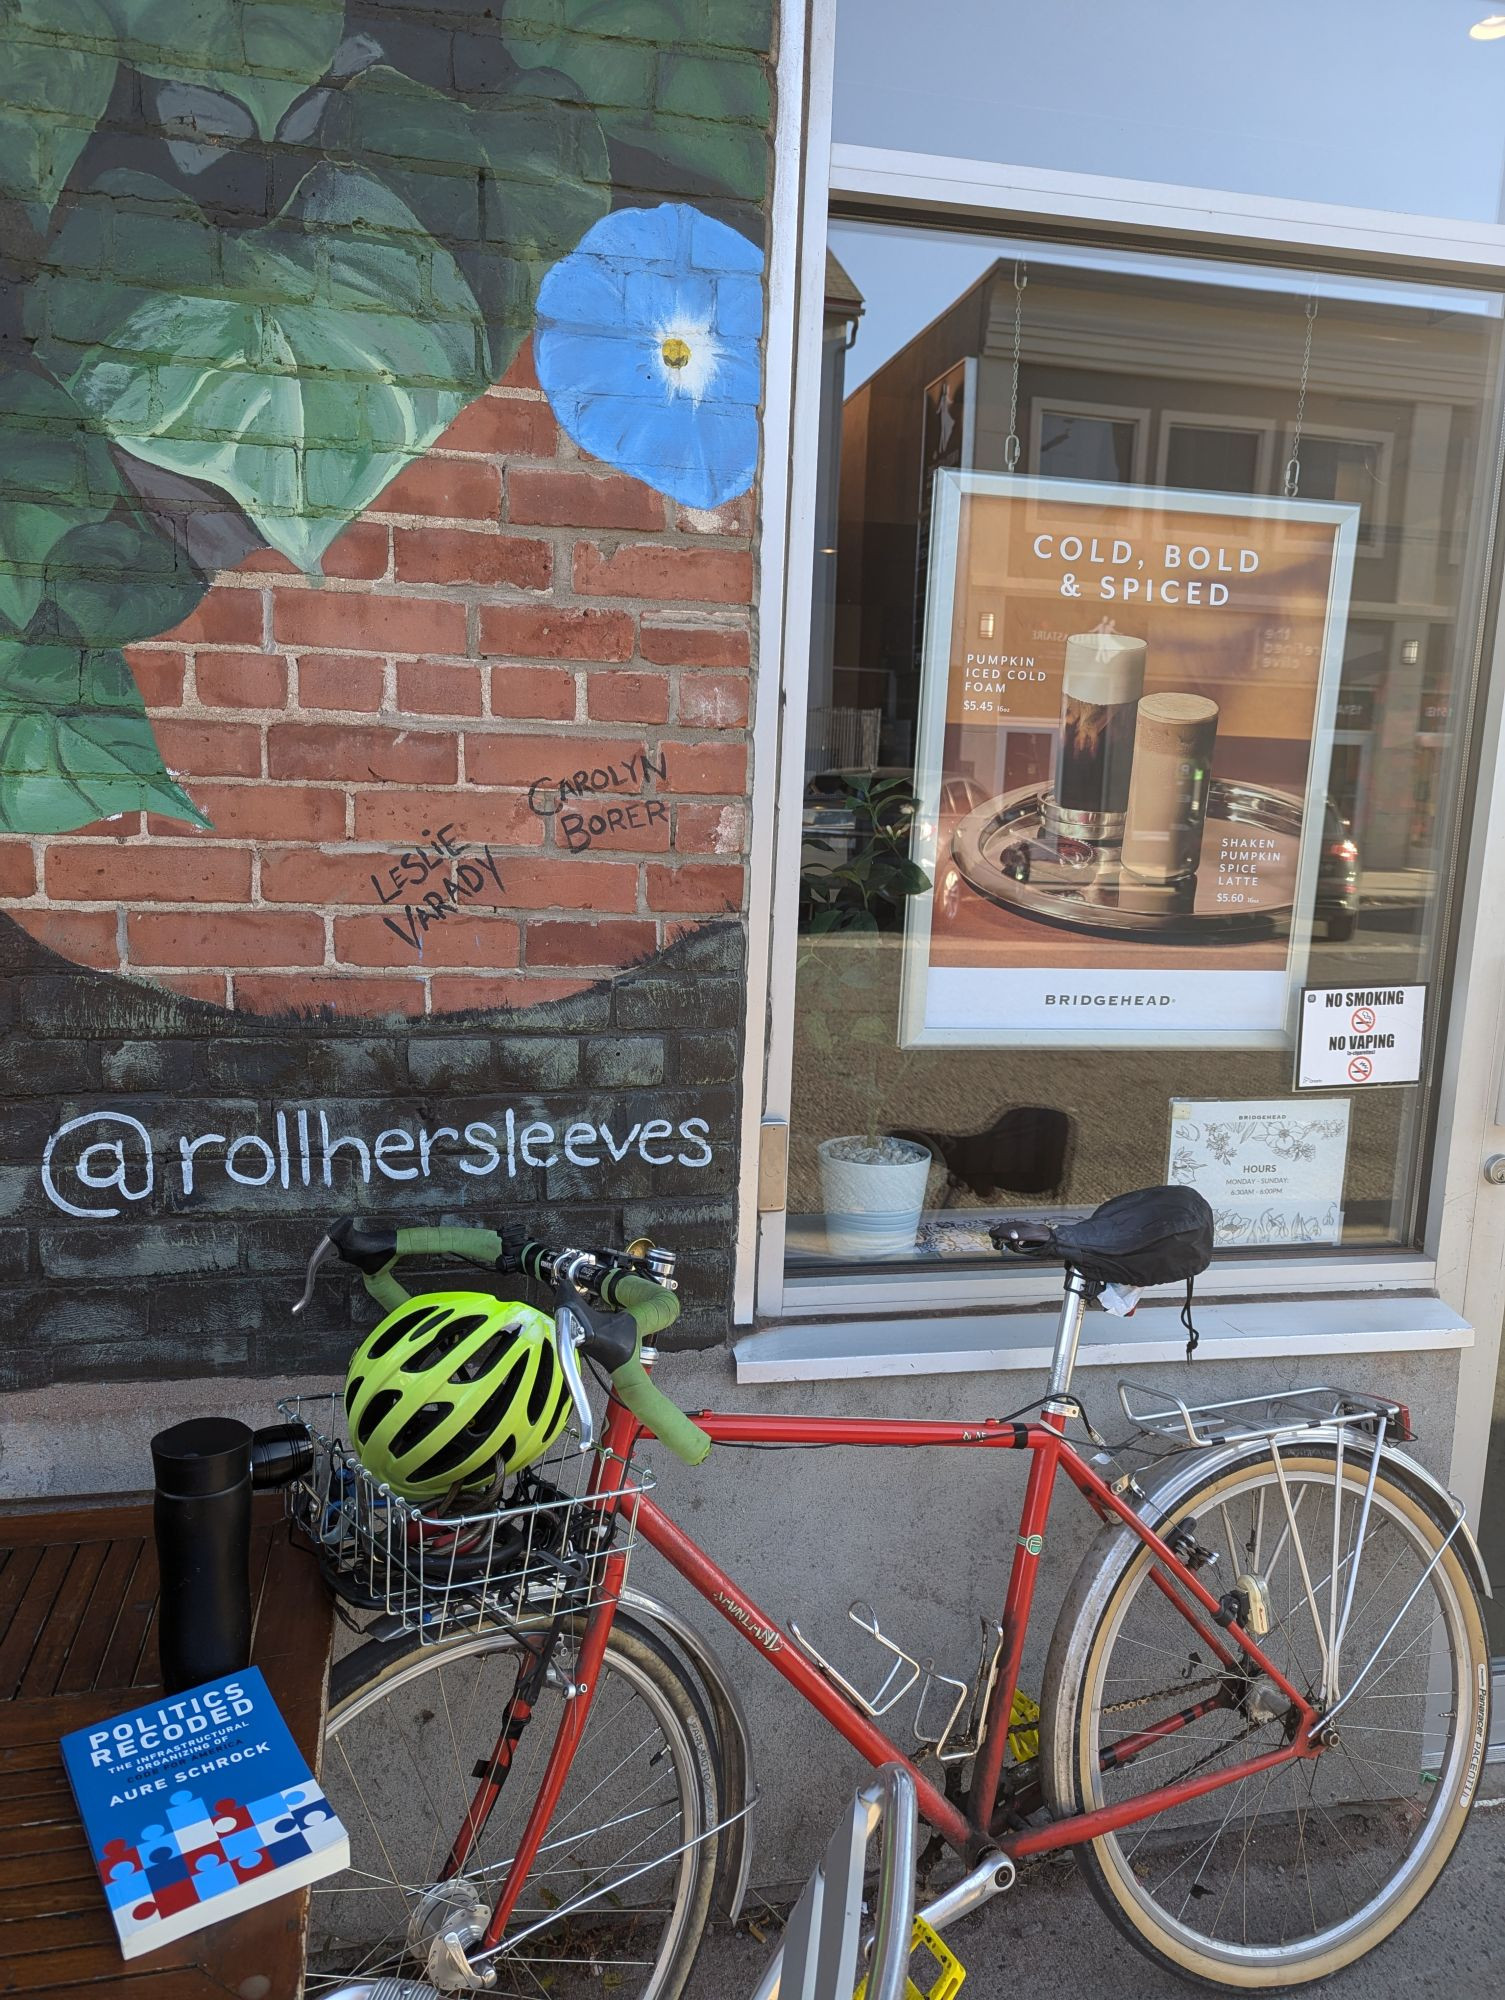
point(1262, 429)
point(1041, 407)
point(875, 184)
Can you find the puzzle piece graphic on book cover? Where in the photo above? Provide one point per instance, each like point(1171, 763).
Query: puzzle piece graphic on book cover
point(124, 1882)
point(213, 1874)
point(155, 1845)
point(189, 1820)
point(230, 1816)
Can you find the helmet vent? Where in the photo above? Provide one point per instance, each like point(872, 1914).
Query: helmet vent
point(497, 1408)
point(381, 1405)
point(417, 1427)
point(407, 1326)
point(448, 1335)
point(449, 1457)
point(543, 1381)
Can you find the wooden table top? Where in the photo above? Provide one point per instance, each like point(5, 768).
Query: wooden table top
point(78, 1600)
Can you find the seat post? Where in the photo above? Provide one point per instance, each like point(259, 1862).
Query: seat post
point(1068, 1334)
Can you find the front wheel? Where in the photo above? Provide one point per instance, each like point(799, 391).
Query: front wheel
point(618, 1896)
point(1288, 1876)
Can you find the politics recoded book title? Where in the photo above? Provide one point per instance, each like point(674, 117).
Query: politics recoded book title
point(198, 1806)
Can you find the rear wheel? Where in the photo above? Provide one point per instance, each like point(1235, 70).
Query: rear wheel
point(618, 1896)
point(1287, 1876)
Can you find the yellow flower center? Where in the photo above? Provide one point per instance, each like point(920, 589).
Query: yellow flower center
point(676, 352)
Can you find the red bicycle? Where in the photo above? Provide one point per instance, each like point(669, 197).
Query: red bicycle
point(1263, 1719)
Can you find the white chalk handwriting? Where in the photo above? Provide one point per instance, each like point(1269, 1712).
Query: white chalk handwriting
point(93, 1163)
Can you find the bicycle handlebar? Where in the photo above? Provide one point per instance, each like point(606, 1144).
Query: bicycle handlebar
point(374, 1248)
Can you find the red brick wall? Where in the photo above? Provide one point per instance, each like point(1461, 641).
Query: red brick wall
point(509, 611)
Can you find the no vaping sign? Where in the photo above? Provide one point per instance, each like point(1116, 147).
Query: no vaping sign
point(1353, 1036)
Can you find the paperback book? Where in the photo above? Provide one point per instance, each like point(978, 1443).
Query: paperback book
point(197, 1806)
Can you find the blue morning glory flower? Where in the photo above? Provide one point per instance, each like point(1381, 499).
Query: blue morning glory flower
point(647, 348)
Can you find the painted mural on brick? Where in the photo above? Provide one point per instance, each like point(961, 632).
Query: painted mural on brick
point(377, 424)
point(379, 392)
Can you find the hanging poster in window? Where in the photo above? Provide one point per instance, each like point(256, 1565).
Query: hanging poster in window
point(1126, 716)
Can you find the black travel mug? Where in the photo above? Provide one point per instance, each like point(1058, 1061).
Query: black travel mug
point(202, 1514)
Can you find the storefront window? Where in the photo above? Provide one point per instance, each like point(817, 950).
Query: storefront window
point(1143, 650)
point(1365, 103)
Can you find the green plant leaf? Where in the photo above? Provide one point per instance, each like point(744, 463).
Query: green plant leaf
point(263, 53)
point(339, 342)
point(509, 186)
point(75, 743)
point(56, 474)
point(60, 68)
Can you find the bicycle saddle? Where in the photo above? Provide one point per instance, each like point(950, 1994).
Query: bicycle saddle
point(1154, 1236)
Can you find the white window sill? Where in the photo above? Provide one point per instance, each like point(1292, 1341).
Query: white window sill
point(968, 1344)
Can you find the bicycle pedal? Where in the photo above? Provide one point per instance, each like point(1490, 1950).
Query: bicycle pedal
point(1024, 1727)
point(945, 1980)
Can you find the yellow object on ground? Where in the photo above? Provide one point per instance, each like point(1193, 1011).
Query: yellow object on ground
point(945, 1983)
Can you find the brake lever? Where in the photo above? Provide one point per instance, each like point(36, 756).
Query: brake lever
point(327, 1248)
point(568, 1336)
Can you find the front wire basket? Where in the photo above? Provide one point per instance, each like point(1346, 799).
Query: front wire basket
point(540, 1555)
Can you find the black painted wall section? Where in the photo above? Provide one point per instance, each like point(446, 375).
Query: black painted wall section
point(195, 1274)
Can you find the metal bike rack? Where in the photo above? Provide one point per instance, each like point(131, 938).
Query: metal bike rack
point(818, 1959)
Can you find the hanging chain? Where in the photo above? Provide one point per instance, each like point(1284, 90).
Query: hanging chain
point(1293, 463)
point(1011, 444)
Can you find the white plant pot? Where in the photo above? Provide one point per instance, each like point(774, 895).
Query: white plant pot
point(873, 1207)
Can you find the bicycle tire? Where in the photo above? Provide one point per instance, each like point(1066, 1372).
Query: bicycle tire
point(1198, 1868)
point(640, 1682)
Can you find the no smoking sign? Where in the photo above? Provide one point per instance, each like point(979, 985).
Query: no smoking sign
point(1360, 1035)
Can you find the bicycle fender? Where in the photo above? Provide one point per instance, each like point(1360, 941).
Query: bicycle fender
point(734, 1742)
point(1165, 1488)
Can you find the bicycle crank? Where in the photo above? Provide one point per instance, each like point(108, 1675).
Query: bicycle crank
point(446, 1923)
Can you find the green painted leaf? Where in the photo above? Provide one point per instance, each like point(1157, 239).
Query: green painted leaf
point(340, 341)
point(675, 123)
point(82, 296)
point(263, 53)
point(75, 743)
point(743, 24)
point(55, 475)
point(59, 71)
point(510, 186)
point(117, 581)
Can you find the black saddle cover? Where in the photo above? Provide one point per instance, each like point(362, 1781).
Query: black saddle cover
point(1155, 1236)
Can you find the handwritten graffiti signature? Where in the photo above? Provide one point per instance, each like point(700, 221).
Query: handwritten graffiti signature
point(459, 881)
point(577, 829)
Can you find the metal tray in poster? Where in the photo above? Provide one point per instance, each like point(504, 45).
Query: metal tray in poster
point(1003, 850)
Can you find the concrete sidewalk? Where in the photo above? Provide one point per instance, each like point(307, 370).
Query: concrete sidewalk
point(1048, 1938)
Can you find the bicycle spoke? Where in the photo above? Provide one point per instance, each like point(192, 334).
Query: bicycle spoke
point(603, 1905)
point(1275, 1862)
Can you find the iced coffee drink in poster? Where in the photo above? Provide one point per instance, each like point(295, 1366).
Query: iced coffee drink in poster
point(1173, 744)
point(1101, 687)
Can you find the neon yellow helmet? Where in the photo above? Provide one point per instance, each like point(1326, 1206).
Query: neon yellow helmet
point(452, 1387)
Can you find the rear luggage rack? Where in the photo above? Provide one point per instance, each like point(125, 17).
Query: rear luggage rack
point(1162, 1413)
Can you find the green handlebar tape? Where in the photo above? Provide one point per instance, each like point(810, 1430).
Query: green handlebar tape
point(384, 1288)
point(652, 1310)
point(652, 1407)
point(477, 1246)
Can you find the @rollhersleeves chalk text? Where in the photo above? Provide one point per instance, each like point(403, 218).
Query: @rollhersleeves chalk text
point(94, 1162)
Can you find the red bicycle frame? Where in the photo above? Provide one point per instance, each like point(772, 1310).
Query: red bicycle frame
point(968, 1831)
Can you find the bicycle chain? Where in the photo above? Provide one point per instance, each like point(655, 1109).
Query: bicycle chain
point(1184, 1688)
point(1161, 1694)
